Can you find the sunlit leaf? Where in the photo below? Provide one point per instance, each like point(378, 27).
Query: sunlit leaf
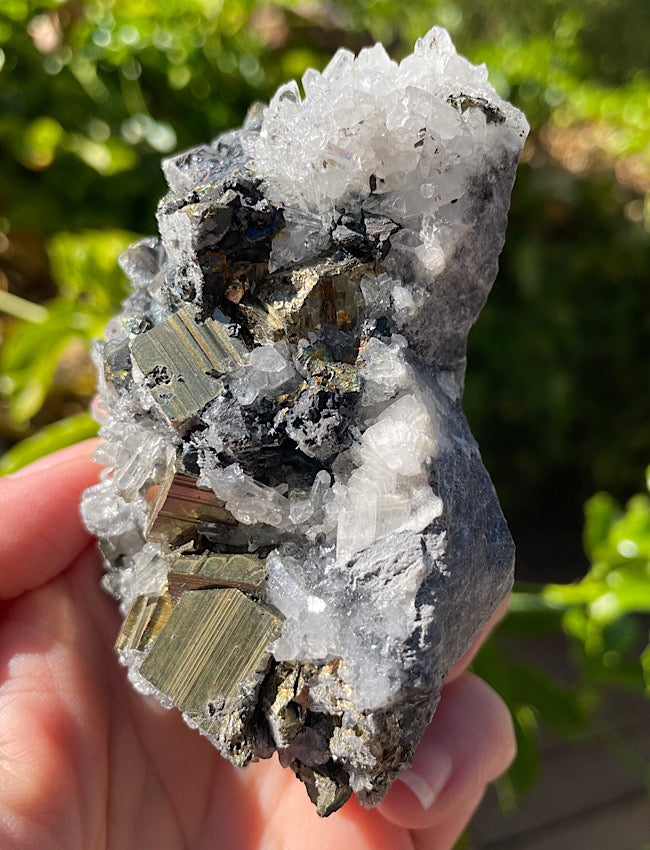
point(60, 434)
point(41, 139)
point(84, 265)
point(524, 770)
point(601, 511)
point(92, 285)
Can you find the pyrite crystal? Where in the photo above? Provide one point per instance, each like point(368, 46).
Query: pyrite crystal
point(297, 521)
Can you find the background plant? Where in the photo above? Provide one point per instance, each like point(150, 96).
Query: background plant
point(604, 618)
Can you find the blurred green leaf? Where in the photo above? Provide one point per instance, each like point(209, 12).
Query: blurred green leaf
point(84, 266)
point(29, 359)
point(601, 511)
point(91, 286)
point(559, 707)
point(522, 775)
point(40, 141)
point(618, 583)
point(52, 437)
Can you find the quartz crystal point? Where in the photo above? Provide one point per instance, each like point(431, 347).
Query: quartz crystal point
point(295, 517)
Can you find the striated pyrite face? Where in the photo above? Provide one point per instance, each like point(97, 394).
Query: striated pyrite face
point(296, 520)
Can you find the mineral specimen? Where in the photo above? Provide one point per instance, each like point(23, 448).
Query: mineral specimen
point(296, 518)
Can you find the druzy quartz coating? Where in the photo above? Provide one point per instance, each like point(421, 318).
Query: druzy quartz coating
point(295, 516)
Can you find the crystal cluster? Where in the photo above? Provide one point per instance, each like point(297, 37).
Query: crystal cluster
point(294, 515)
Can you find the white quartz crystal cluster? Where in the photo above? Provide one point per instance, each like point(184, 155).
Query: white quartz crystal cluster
point(406, 130)
point(330, 257)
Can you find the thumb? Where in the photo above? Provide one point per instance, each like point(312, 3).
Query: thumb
point(469, 742)
point(41, 530)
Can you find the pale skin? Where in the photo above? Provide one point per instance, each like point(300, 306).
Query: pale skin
point(87, 763)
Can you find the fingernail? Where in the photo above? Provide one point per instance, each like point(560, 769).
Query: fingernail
point(428, 776)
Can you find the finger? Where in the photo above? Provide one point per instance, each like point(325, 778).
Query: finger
point(468, 744)
point(41, 531)
point(288, 819)
point(465, 660)
point(55, 700)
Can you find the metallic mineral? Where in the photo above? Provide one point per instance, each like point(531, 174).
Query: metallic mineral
point(296, 519)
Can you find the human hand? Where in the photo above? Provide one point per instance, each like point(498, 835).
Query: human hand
point(88, 763)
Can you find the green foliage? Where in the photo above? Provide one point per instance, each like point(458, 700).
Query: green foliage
point(597, 608)
point(601, 616)
point(92, 93)
point(91, 287)
point(58, 435)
